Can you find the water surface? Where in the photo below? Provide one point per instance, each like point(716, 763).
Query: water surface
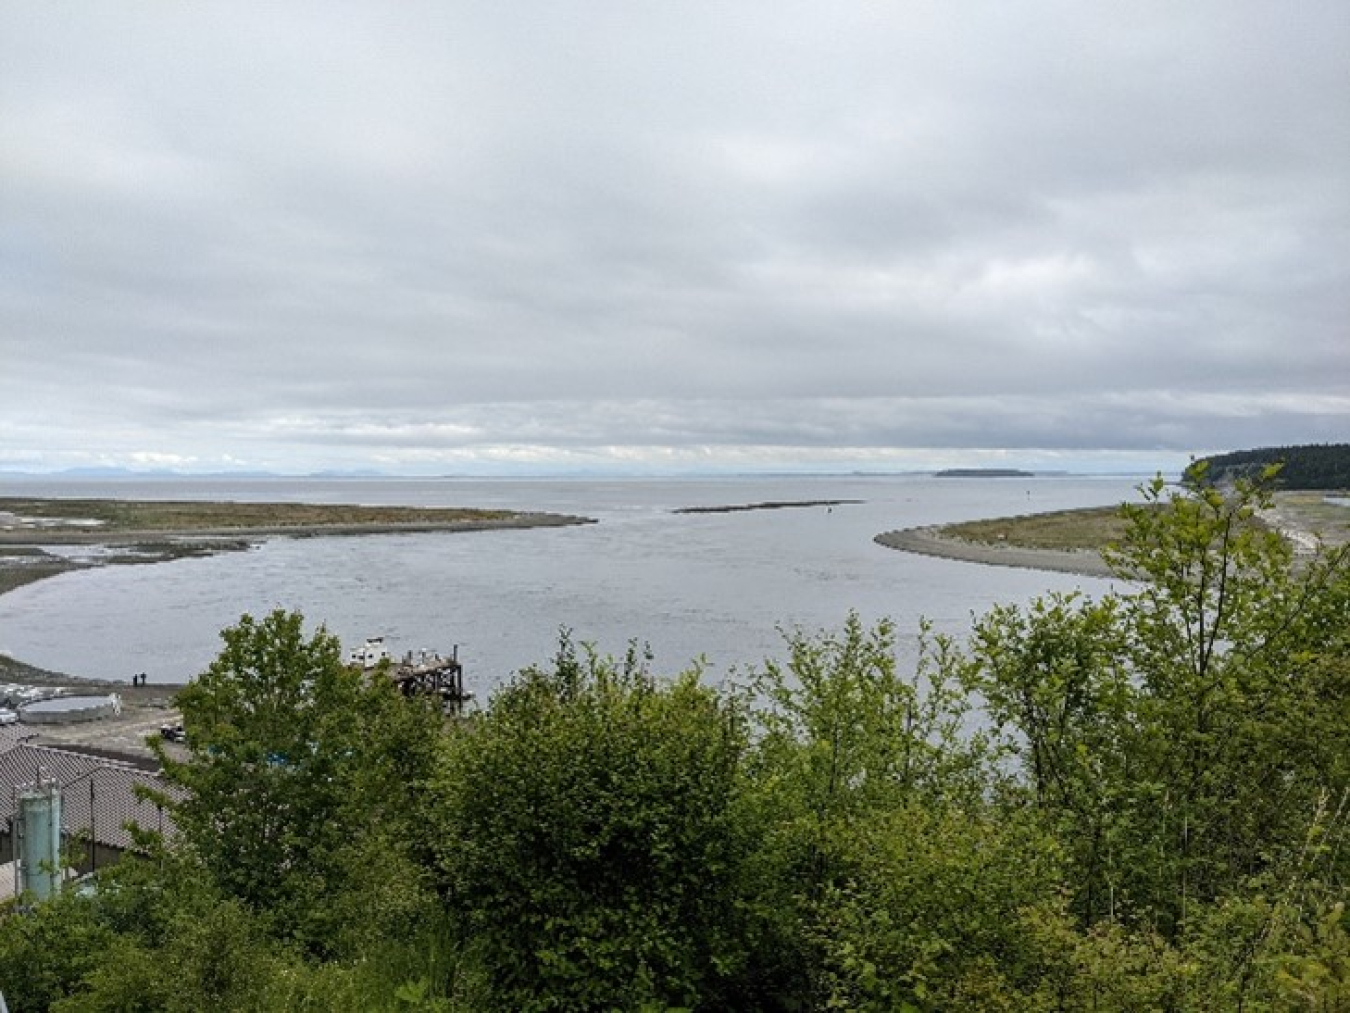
point(716, 586)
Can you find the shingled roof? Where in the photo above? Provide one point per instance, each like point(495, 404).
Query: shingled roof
point(13, 735)
point(99, 795)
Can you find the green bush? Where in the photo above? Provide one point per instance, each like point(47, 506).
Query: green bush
point(591, 837)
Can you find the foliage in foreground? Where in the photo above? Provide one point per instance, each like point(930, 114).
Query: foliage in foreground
point(590, 830)
point(1134, 803)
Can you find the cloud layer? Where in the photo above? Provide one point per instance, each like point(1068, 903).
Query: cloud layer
point(421, 237)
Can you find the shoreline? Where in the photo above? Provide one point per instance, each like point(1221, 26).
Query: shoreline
point(1307, 520)
point(12, 670)
point(930, 541)
point(36, 537)
point(144, 709)
point(23, 561)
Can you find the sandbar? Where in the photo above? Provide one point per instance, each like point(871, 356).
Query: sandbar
point(795, 504)
point(930, 541)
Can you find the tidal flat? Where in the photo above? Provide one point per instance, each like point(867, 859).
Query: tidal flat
point(34, 521)
point(44, 537)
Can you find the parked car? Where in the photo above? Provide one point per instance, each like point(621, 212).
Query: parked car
point(8, 717)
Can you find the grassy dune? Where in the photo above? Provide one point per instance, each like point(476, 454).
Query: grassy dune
point(1062, 530)
point(1093, 528)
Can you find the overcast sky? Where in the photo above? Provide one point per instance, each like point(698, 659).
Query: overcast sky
point(487, 237)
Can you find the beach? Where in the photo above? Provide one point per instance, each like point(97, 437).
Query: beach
point(1308, 521)
point(930, 541)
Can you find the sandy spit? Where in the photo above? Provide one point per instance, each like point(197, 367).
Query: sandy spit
point(930, 541)
point(68, 536)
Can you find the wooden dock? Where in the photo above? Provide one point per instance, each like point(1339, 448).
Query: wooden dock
point(429, 674)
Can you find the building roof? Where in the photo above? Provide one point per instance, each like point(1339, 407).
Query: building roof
point(13, 735)
point(99, 796)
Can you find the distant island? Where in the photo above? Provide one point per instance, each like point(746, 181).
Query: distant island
point(983, 473)
point(1310, 466)
point(769, 505)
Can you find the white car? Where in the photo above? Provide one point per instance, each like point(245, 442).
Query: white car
point(7, 716)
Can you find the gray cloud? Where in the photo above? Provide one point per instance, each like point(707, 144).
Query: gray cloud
point(431, 238)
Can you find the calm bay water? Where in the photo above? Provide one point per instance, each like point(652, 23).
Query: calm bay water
point(715, 586)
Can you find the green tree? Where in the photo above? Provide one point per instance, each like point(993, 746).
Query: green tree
point(157, 935)
point(1180, 732)
point(933, 912)
point(1241, 720)
point(303, 784)
point(844, 743)
point(842, 733)
point(45, 953)
point(591, 840)
point(217, 956)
